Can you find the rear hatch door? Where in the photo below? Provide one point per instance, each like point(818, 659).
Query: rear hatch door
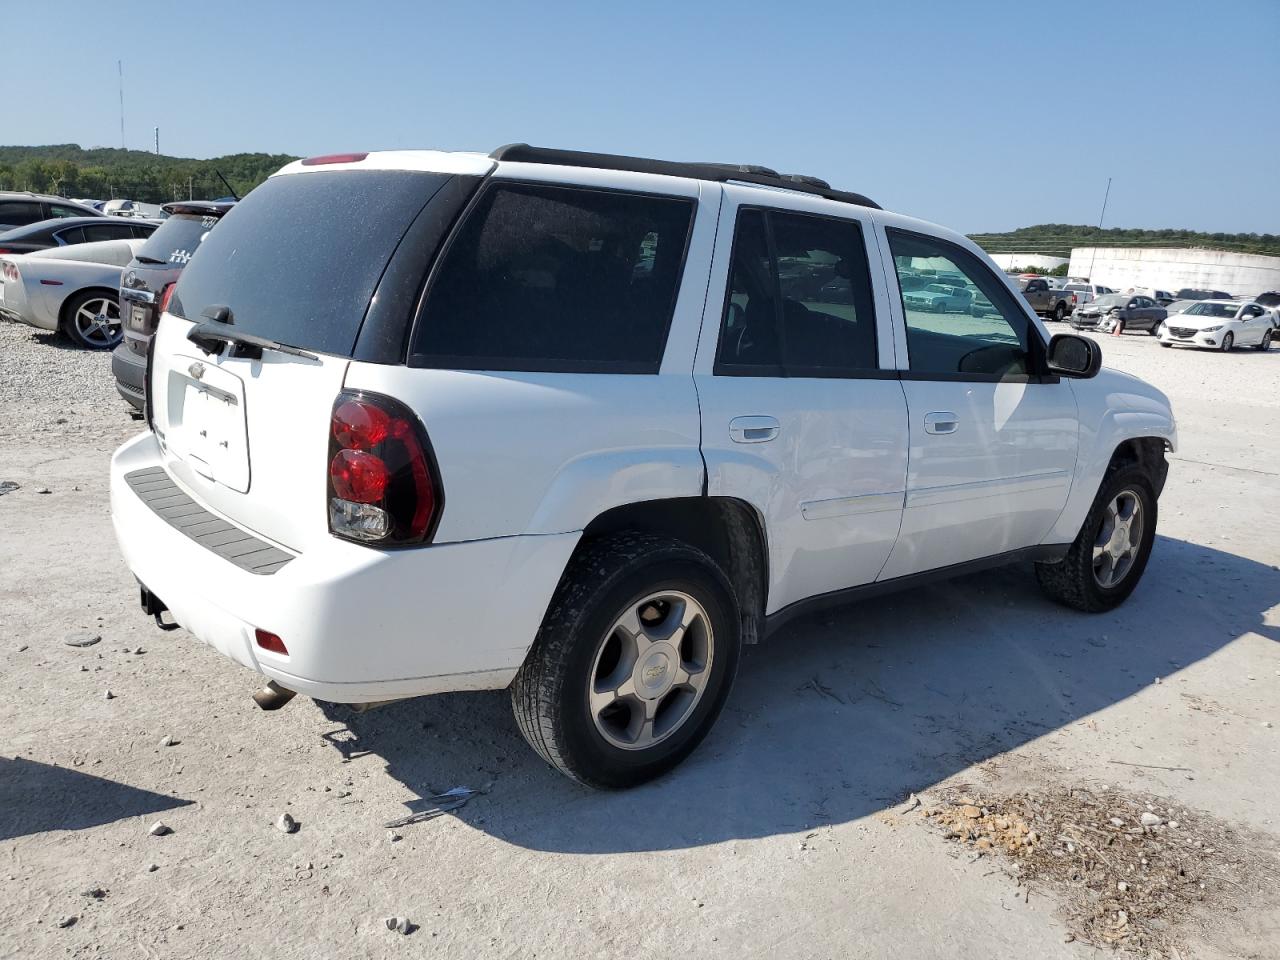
point(297, 262)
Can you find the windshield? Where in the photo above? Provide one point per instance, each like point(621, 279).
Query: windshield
point(297, 260)
point(1225, 310)
point(1114, 300)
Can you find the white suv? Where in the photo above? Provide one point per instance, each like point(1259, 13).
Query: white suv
point(581, 425)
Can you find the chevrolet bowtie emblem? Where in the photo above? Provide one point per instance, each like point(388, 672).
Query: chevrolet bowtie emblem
point(196, 370)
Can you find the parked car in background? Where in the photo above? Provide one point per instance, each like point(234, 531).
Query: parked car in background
point(938, 298)
point(1270, 299)
point(1179, 306)
point(1162, 297)
point(74, 290)
point(606, 445)
point(69, 231)
point(1085, 292)
point(1192, 293)
point(22, 209)
point(1220, 325)
point(133, 208)
point(148, 280)
point(1044, 300)
point(1136, 313)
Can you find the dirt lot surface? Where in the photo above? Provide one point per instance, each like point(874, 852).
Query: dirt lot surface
point(783, 836)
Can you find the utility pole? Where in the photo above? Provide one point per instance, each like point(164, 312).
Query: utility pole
point(190, 189)
point(157, 141)
point(1101, 216)
point(120, 72)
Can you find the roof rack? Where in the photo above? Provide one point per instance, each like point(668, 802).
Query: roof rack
point(719, 172)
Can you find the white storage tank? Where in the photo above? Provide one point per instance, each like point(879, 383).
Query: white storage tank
point(1172, 268)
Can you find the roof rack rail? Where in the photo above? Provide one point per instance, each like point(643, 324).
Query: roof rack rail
point(719, 172)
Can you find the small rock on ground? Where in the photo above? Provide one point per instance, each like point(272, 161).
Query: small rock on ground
point(160, 829)
point(81, 638)
point(286, 824)
point(398, 924)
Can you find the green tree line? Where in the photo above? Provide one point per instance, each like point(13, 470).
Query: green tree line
point(104, 173)
point(1057, 239)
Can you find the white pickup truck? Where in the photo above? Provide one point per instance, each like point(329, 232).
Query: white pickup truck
point(582, 425)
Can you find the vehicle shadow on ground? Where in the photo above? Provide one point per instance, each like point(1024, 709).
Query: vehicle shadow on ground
point(837, 717)
point(39, 797)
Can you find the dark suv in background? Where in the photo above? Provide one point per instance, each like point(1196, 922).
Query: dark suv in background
point(148, 280)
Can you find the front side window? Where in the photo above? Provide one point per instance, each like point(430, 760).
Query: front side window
point(69, 236)
point(553, 278)
point(799, 301)
point(59, 212)
point(974, 329)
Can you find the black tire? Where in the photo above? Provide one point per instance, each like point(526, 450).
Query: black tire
point(1071, 581)
point(550, 693)
point(1228, 342)
point(1060, 312)
point(95, 340)
point(1154, 329)
point(1265, 342)
point(1165, 345)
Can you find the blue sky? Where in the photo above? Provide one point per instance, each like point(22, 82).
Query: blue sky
point(982, 116)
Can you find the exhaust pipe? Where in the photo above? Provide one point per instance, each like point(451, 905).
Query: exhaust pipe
point(273, 696)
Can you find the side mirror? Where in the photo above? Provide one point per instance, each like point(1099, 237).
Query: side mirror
point(1072, 356)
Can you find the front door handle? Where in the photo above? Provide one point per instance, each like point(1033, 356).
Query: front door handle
point(753, 429)
point(941, 422)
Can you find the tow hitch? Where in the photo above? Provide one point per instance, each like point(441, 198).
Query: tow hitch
point(154, 606)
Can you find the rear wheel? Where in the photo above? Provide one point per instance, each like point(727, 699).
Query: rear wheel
point(92, 320)
point(633, 662)
point(1228, 342)
point(1108, 556)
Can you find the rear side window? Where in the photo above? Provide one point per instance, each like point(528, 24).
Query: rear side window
point(175, 240)
point(19, 213)
point(553, 278)
point(799, 302)
point(106, 231)
point(298, 259)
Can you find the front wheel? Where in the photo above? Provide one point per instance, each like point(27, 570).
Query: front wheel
point(1060, 312)
point(1265, 342)
point(1108, 556)
point(92, 320)
point(1228, 342)
point(633, 662)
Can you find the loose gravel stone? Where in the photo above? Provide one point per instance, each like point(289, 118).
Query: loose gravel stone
point(68, 921)
point(398, 924)
point(286, 824)
point(160, 829)
point(81, 638)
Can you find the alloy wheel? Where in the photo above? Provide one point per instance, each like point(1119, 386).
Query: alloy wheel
point(651, 670)
point(1119, 539)
point(98, 322)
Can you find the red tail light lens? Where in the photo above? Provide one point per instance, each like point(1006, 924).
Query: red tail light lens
point(382, 483)
point(9, 270)
point(165, 296)
point(334, 158)
point(269, 641)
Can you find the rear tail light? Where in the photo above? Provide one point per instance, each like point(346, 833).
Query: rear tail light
point(9, 270)
point(383, 484)
point(165, 296)
point(4, 250)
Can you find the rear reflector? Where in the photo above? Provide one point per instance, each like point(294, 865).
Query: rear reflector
point(334, 158)
point(269, 641)
point(165, 296)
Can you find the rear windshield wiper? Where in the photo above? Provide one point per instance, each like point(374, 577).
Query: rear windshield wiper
point(207, 335)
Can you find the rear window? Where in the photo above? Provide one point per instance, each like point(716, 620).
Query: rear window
point(176, 239)
point(556, 278)
point(298, 259)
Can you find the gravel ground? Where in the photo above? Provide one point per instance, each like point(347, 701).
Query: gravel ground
point(781, 837)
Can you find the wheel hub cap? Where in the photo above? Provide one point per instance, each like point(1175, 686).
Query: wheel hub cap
point(1119, 539)
point(650, 670)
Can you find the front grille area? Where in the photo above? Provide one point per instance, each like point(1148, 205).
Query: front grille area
point(158, 491)
point(1183, 332)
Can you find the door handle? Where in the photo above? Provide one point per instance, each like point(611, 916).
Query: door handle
point(941, 422)
point(753, 429)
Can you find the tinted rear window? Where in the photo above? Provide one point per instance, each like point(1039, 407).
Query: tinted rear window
point(176, 239)
point(298, 259)
point(545, 277)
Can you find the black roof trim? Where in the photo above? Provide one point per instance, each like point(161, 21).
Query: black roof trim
point(199, 208)
point(720, 172)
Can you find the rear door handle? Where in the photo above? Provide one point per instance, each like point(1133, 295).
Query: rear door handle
point(941, 422)
point(753, 429)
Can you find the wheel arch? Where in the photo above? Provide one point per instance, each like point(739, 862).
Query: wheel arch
point(727, 529)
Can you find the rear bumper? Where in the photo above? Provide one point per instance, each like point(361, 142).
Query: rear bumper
point(130, 372)
point(360, 624)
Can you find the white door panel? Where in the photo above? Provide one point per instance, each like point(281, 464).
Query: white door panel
point(822, 459)
point(997, 483)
